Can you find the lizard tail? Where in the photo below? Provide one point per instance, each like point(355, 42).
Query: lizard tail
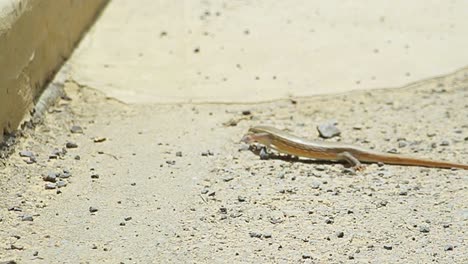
point(410, 161)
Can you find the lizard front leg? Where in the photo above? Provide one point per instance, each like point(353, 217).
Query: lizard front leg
point(355, 163)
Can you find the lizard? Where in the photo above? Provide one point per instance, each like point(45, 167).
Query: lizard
point(283, 142)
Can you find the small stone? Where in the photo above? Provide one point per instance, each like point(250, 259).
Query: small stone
point(246, 112)
point(15, 209)
point(315, 185)
point(402, 144)
point(388, 247)
point(320, 167)
point(329, 221)
point(179, 154)
point(76, 129)
point(171, 162)
point(16, 247)
point(128, 218)
point(122, 224)
point(445, 143)
point(340, 234)
point(207, 153)
point(71, 145)
point(92, 209)
point(50, 186)
point(61, 184)
point(65, 174)
point(50, 177)
point(228, 178)
point(448, 248)
point(223, 210)
point(403, 192)
point(99, 139)
point(77, 157)
point(27, 218)
point(306, 256)
point(424, 229)
point(263, 154)
point(94, 176)
point(241, 198)
point(267, 235)
point(328, 129)
point(26, 153)
point(255, 234)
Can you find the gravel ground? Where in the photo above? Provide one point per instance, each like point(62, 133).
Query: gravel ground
point(100, 181)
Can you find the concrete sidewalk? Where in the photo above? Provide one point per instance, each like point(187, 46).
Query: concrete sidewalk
point(248, 51)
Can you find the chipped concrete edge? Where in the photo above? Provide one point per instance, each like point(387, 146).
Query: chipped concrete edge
point(36, 37)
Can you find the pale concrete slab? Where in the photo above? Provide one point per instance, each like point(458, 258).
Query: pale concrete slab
point(243, 51)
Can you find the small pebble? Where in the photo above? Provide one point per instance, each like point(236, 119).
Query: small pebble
point(99, 139)
point(92, 209)
point(77, 157)
point(315, 185)
point(66, 174)
point(179, 154)
point(26, 153)
point(128, 218)
point(50, 186)
point(388, 247)
point(424, 229)
point(448, 248)
point(255, 234)
point(122, 223)
point(320, 167)
point(340, 234)
point(445, 143)
point(76, 129)
point(50, 177)
point(27, 218)
point(61, 184)
point(402, 144)
point(328, 129)
point(94, 176)
point(241, 198)
point(71, 145)
point(228, 178)
point(264, 154)
point(246, 112)
point(306, 256)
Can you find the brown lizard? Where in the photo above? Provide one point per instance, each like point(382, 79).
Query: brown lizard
point(286, 143)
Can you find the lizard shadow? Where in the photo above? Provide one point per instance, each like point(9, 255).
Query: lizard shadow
point(290, 158)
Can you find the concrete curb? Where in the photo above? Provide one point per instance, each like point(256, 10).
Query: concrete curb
point(36, 37)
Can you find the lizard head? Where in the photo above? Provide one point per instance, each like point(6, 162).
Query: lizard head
point(257, 135)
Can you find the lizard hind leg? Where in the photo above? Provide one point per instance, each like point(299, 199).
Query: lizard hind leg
point(353, 161)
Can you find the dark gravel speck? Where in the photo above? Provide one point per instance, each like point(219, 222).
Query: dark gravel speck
point(71, 145)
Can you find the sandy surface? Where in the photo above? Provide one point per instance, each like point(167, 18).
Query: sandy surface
point(215, 202)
